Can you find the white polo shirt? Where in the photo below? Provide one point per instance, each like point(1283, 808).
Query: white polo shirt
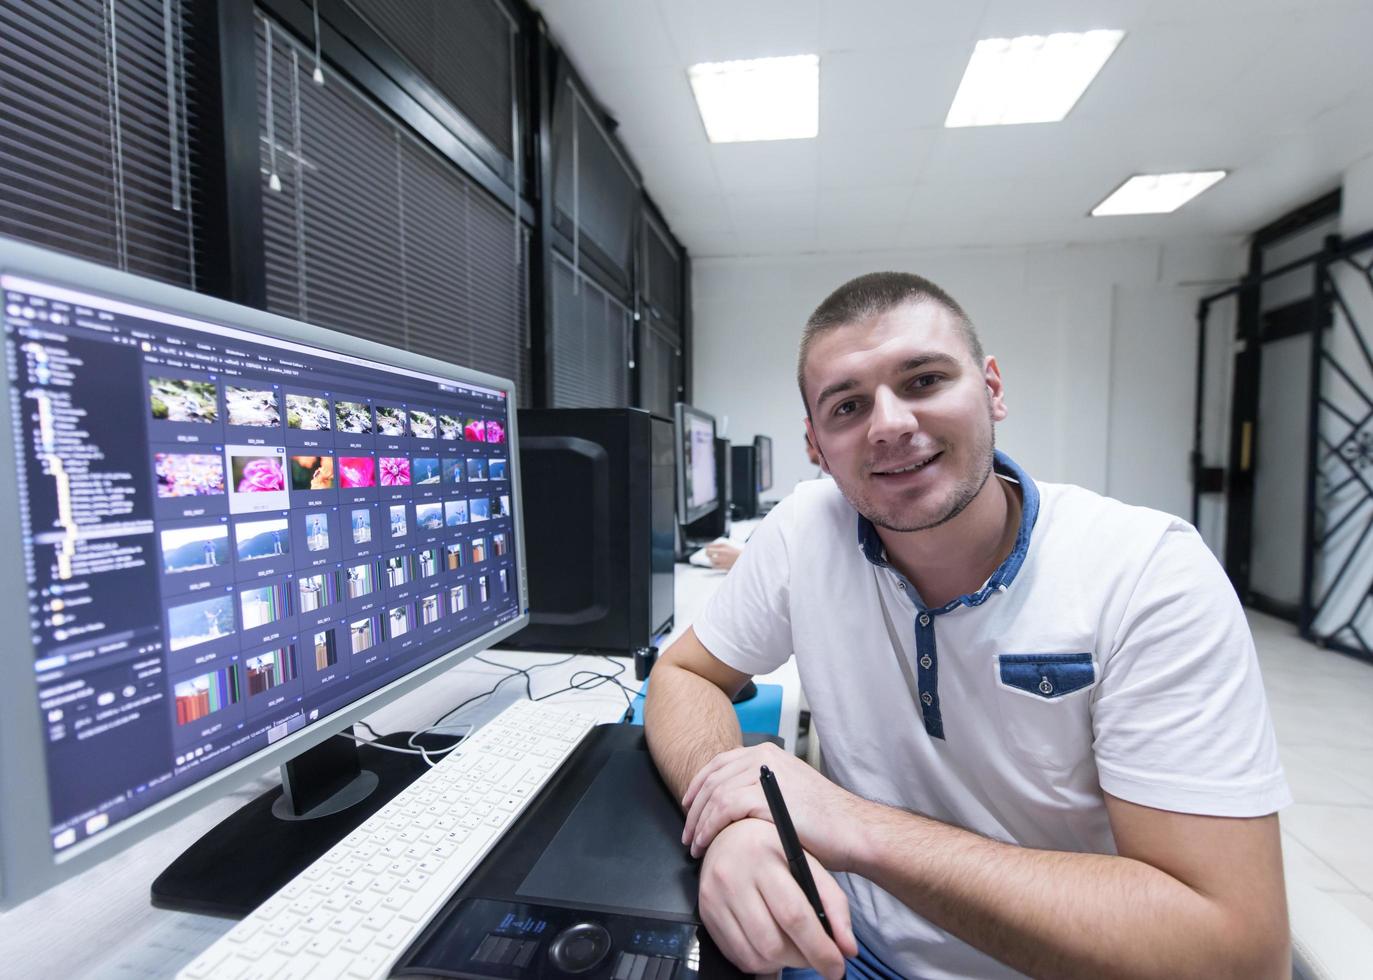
point(1108, 652)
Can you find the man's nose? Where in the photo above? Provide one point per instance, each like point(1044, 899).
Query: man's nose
point(892, 419)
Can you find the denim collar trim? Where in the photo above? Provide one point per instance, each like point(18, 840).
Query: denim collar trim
point(871, 544)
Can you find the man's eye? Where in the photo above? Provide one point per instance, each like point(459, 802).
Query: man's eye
point(925, 380)
point(845, 408)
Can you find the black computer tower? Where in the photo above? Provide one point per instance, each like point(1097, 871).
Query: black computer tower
point(599, 527)
point(744, 476)
point(716, 523)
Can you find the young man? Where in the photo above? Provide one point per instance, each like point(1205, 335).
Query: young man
point(1047, 747)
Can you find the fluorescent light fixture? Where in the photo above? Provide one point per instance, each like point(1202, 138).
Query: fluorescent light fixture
point(1156, 193)
point(759, 99)
point(1030, 79)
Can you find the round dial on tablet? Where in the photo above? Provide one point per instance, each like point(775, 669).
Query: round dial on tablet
point(580, 947)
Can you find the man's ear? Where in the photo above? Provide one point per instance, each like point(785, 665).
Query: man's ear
point(810, 434)
point(996, 389)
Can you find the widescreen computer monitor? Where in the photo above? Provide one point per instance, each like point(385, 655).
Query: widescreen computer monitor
point(697, 492)
point(763, 448)
point(227, 537)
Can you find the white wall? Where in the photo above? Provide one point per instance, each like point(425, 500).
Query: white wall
point(1356, 198)
point(1097, 345)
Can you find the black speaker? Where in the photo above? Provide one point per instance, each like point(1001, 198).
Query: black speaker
point(599, 528)
point(744, 476)
point(716, 523)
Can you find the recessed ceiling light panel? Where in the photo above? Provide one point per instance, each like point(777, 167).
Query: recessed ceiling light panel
point(1156, 193)
point(759, 99)
point(1030, 79)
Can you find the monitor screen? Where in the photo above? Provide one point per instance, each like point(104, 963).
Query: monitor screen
point(229, 536)
point(698, 493)
point(763, 445)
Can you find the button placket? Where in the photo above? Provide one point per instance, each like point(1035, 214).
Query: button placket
point(928, 675)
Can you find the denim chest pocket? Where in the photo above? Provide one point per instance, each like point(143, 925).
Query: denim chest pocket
point(1045, 704)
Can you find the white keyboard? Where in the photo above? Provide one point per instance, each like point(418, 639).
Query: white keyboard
point(355, 910)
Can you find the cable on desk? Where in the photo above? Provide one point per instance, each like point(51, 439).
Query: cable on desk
point(515, 672)
point(414, 750)
point(593, 681)
point(597, 681)
point(590, 682)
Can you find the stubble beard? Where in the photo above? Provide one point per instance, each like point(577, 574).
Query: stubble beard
point(963, 493)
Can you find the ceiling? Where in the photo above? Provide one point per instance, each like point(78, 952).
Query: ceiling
point(1279, 92)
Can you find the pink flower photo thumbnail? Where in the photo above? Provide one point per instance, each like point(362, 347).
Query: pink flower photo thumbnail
point(395, 471)
point(259, 474)
point(357, 471)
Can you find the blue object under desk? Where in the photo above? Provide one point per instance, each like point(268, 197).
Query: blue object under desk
point(762, 713)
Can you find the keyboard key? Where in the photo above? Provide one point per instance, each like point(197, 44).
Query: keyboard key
point(206, 964)
point(393, 936)
point(293, 943)
point(367, 964)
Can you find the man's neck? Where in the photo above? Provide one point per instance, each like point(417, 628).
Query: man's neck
point(956, 558)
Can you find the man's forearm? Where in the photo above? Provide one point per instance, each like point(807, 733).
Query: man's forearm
point(1057, 914)
point(688, 721)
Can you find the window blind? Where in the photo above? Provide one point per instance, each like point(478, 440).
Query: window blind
point(595, 194)
point(662, 276)
point(374, 234)
point(463, 47)
point(660, 371)
point(95, 112)
point(591, 342)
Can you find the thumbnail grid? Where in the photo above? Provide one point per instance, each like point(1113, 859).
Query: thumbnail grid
point(279, 513)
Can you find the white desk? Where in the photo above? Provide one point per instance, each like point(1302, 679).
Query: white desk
point(100, 925)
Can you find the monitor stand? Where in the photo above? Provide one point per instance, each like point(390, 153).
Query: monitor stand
point(326, 792)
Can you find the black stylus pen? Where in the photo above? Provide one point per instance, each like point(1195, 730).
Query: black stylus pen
point(791, 844)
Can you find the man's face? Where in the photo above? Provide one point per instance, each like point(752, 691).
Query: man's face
point(902, 416)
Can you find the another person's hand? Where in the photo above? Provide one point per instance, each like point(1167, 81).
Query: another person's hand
point(758, 915)
point(726, 790)
point(723, 554)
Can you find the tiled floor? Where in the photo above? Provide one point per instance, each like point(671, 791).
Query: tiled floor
point(1322, 706)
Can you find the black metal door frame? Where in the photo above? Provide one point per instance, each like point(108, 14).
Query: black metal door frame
point(1351, 455)
point(1252, 329)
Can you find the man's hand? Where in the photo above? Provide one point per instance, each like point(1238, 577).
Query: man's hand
point(758, 915)
point(726, 789)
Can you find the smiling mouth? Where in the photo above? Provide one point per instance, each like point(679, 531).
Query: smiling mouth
point(911, 468)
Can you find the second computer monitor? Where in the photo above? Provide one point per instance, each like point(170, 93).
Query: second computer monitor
point(762, 446)
point(697, 493)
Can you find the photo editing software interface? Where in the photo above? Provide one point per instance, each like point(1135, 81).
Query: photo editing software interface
point(228, 536)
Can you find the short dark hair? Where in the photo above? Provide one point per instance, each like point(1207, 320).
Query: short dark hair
point(872, 295)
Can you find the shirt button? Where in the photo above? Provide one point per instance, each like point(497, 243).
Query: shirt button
point(925, 661)
point(901, 586)
point(926, 698)
point(924, 619)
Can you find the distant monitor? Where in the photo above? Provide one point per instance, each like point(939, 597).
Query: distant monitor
point(697, 491)
point(763, 447)
point(716, 524)
point(231, 535)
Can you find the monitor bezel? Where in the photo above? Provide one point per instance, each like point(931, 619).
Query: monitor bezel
point(685, 515)
point(28, 864)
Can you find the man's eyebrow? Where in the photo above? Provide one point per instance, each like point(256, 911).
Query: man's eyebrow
point(837, 388)
point(919, 361)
